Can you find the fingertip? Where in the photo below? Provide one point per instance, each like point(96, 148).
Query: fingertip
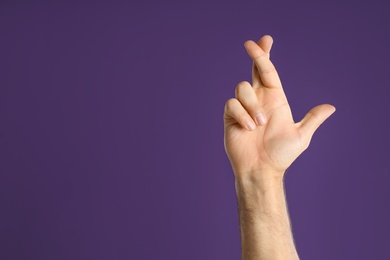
point(250, 125)
point(265, 43)
point(269, 37)
point(333, 109)
point(261, 119)
point(246, 43)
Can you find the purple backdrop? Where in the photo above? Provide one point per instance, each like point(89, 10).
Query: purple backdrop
point(111, 135)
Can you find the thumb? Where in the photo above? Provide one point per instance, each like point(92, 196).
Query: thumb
point(313, 119)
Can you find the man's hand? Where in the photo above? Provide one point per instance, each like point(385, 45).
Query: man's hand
point(261, 141)
point(260, 133)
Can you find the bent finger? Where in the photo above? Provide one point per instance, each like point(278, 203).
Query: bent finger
point(248, 98)
point(234, 110)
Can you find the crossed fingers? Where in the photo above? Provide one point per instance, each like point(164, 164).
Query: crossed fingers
point(246, 108)
point(266, 74)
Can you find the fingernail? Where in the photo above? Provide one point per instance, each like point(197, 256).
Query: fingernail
point(251, 126)
point(260, 118)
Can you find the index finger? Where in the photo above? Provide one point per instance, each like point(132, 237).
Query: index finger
point(265, 44)
point(268, 74)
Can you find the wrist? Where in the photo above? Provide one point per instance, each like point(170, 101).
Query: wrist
point(260, 177)
point(260, 192)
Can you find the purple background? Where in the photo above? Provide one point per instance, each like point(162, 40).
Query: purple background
point(111, 135)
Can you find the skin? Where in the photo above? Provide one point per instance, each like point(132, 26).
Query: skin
point(261, 151)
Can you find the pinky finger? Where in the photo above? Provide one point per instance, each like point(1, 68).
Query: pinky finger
point(235, 110)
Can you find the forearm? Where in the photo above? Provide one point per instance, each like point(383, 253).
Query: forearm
point(264, 222)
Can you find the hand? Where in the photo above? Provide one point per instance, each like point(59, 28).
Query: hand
point(270, 146)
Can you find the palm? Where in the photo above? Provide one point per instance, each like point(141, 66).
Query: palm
point(280, 141)
point(266, 146)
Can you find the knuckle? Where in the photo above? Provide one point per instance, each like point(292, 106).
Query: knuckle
point(304, 138)
point(261, 55)
point(306, 143)
point(241, 86)
point(314, 116)
point(268, 70)
point(229, 105)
